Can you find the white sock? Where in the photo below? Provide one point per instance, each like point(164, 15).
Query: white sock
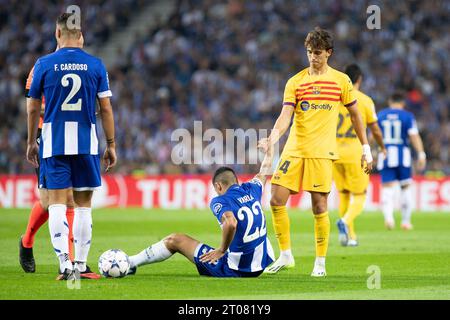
point(320, 261)
point(387, 203)
point(59, 234)
point(155, 253)
point(82, 234)
point(406, 196)
point(287, 254)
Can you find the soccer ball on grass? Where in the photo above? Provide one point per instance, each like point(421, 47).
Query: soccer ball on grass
point(114, 263)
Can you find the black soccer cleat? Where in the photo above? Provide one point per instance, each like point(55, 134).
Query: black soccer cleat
point(132, 271)
point(68, 274)
point(26, 258)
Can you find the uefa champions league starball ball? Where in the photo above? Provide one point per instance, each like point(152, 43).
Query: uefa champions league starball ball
point(114, 263)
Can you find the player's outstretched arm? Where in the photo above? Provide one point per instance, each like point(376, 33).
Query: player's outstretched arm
point(229, 225)
point(358, 125)
point(266, 166)
point(279, 129)
point(417, 144)
point(33, 112)
point(107, 115)
point(378, 136)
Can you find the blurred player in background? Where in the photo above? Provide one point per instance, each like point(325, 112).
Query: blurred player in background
point(351, 181)
point(39, 211)
point(245, 250)
point(399, 132)
point(313, 95)
point(71, 80)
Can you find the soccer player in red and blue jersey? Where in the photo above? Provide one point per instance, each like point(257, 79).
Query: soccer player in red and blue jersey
point(71, 80)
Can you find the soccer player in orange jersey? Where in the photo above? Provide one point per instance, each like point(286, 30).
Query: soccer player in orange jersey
point(313, 96)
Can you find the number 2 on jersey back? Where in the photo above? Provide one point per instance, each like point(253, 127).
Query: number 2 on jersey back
point(76, 85)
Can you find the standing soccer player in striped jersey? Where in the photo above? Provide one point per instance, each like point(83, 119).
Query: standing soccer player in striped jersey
point(351, 181)
point(399, 132)
point(245, 250)
point(313, 95)
point(39, 211)
point(71, 80)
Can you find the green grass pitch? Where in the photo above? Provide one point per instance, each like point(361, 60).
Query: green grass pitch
point(413, 265)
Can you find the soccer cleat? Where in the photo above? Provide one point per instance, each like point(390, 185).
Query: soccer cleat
point(280, 264)
point(89, 274)
point(343, 232)
point(319, 271)
point(132, 271)
point(389, 224)
point(26, 258)
point(68, 275)
point(352, 243)
point(407, 226)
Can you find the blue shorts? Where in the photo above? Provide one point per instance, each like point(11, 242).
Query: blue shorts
point(400, 173)
point(80, 172)
point(219, 269)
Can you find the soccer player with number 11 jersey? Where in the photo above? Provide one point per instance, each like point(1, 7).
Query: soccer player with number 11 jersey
point(399, 132)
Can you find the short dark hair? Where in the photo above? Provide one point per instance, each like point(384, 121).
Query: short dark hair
point(397, 96)
point(225, 175)
point(354, 72)
point(319, 39)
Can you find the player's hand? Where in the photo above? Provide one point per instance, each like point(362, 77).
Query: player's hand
point(109, 157)
point(212, 256)
point(421, 161)
point(263, 144)
point(33, 154)
point(383, 151)
point(367, 159)
point(369, 165)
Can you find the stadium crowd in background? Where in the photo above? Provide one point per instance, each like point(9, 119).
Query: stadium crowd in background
point(225, 64)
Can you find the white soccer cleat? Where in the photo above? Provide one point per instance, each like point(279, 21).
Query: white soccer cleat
point(389, 224)
point(407, 226)
point(352, 243)
point(281, 263)
point(319, 271)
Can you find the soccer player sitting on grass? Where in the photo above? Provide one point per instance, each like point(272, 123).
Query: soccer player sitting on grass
point(245, 250)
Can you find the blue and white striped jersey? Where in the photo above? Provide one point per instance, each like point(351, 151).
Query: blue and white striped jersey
point(71, 80)
point(396, 125)
point(250, 250)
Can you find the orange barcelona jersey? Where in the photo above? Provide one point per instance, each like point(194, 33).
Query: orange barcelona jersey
point(27, 88)
point(316, 99)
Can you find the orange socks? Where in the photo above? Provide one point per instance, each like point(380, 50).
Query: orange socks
point(70, 215)
point(38, 217)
